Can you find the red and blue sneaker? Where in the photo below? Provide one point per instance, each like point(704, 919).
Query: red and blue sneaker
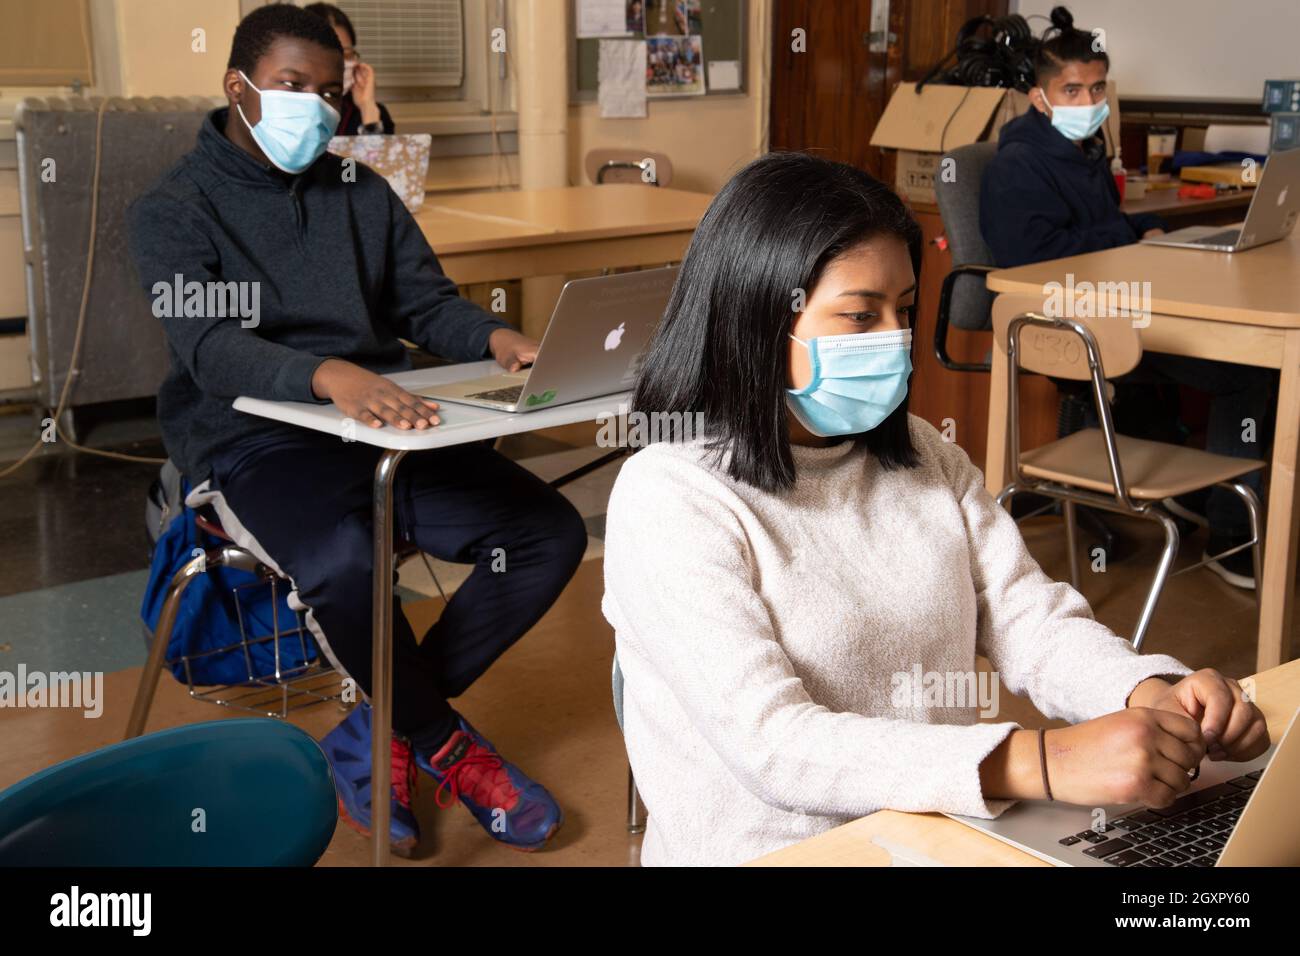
point(513, 809)
point(347, 748)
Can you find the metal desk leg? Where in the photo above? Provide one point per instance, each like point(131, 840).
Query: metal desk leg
point(381, 666)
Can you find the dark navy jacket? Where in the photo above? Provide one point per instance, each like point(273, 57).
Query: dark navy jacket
point(1042, 197)
point(342, 271)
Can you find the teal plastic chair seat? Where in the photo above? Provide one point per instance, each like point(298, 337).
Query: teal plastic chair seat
point(242, 792)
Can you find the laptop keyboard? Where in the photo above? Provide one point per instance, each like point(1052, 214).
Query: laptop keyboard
point(1190, 832)
point(1228, 237)
point(509, 395)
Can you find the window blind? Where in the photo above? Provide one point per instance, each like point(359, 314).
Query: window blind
point(410, 42)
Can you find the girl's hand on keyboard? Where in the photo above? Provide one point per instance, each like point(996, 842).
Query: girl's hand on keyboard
point(1233, 727)
point(371, 399)
point(1138, 755)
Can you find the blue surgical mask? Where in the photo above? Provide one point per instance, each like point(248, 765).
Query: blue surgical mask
point(294, 129)
point(1078, 122)
point(857, 381)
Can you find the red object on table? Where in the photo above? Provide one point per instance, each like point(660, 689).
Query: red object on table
point(1197, 191)
point(1121, 179)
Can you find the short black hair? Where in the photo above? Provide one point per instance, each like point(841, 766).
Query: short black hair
point(335, 16)
point(1062, 44)
point(261, 28)
point(721, 349)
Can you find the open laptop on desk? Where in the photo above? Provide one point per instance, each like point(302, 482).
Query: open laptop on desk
point(401, 158)
point(592, 346)
point(1236, 814)
point(1271, 216)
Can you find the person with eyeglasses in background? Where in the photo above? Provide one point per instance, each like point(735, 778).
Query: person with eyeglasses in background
point(359, 112)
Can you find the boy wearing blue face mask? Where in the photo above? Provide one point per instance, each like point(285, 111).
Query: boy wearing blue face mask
point(1049, 193)
point(341, 273)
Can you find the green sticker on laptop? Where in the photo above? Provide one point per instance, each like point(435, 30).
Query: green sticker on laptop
point(542, 399)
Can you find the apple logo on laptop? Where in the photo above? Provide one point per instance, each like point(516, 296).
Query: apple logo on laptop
point(1281, 197)
point(614, 338)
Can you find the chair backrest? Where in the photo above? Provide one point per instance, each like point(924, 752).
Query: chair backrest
point(627, 166)
point(240, 792)
point(1061, 352)
point(1079, 348)
point(958, 197)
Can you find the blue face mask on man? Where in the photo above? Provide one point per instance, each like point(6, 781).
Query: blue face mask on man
point(1077, 122)
point(857, 381)
point(294, 129)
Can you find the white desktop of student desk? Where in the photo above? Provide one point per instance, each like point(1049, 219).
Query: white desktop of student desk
point(460, 424)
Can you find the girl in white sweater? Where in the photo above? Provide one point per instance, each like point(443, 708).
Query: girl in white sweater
point(798, 597)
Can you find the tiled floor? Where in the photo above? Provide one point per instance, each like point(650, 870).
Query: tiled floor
point(72, 567)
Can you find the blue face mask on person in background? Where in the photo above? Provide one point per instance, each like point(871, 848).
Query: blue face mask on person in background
point(294, 129)
point(1078, 122)
point(857, 381)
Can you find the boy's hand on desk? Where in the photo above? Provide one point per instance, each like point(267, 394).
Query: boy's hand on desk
point(1152, 232)
point(1233, 727)
point(512, 349)
point(369, 398)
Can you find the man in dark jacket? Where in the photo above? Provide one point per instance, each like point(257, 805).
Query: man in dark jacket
point(1049, 193)
point(328, 269)
point(1047, 197)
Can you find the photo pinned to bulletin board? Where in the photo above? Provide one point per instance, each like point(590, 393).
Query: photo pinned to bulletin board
point(673, 17)
point(668, 36)
point(674, 48)
point(674, 66)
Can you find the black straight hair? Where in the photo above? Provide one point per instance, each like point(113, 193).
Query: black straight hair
point(1062, 44)
point(260, 29)
point(335, 17)
point(722, 348)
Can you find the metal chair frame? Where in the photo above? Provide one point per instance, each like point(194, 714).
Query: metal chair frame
point(1120, 502)
point(295, 687)
point(636, 812)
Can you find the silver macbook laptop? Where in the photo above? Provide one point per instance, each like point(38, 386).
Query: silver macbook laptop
point(1271, 216)
point(1236, 814)
point(592, 346)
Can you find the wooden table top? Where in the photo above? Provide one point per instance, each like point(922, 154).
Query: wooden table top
point(484, 221)
point(1260, 286)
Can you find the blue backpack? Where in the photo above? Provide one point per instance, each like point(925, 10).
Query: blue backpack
point(210, 613)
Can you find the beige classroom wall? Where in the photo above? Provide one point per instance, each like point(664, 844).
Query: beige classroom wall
point(708, 138)
point(156, 46)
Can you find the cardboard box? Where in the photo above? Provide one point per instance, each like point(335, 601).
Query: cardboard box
point(922, 127)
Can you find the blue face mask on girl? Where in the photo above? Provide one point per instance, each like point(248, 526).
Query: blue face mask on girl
point(857, 381)
point(294, 129)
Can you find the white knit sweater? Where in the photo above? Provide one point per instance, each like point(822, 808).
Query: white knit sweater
point(760, 637)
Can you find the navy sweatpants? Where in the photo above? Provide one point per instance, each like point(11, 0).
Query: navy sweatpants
point(306, 498)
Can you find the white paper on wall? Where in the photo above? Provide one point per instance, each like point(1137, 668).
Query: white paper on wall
point(602, 18)
point(621, 76)
point(724, 75)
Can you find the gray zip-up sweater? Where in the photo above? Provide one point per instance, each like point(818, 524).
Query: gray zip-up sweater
point(341, 269)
